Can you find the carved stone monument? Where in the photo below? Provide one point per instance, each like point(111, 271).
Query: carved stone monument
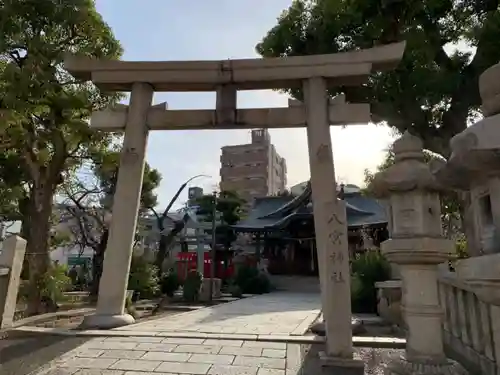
point(417, 247)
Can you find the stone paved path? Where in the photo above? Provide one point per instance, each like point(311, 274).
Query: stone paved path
point(270, 314)
point(273, 314)
point(162, 356)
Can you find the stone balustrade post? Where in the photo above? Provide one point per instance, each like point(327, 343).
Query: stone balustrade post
point(11, 265)
point(417, 247)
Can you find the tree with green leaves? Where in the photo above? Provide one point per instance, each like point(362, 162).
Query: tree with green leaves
point(228, 206)
point(44, 110)
point(88, 203)
point(433, 92)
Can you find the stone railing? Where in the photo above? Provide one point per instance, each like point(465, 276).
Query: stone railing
point(471, 324)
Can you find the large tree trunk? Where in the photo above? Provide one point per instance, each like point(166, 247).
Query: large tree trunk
point(161, 254)
point(98, 264)
point(37, 248)
point(166, 241)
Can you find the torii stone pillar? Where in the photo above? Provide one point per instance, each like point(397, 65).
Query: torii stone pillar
point(114, 279)
point(331, 233)
point(417, 247)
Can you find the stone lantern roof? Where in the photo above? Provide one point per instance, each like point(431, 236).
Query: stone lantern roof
point(408, 173)
point(475, 152)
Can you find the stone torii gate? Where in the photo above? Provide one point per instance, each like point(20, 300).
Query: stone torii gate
point(314, 74)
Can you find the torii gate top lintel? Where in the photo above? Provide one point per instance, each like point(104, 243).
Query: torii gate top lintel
point(346, 68)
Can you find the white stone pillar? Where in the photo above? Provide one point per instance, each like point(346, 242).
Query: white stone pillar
point(113, 285)
point(417, 247)
point(331, 231)
point(11, 265)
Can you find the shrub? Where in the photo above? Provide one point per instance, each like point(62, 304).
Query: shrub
point(129, 307)
point(367, 269)
point(169, 283)
point(192, 285)
point(235, 291)
point(143, 278)
point(55, 282)
point(252, 281)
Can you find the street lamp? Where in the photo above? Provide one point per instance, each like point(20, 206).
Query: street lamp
point(214, 244)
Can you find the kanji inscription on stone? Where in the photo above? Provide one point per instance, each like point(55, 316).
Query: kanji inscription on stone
point(335, 237)
point(130, 155)
point(324, 153)
point(336, 257)
point(337, 277)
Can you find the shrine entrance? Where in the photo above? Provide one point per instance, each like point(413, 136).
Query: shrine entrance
point(314, 75)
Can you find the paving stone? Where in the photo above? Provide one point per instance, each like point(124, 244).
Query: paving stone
point(293, 358)
point(264, 345)
point(184, 368)
point(156, 347)
point(274, 353)
point(204, 349)
point(222, 359)
point(98, 372)
point(89, 353)
point(122, 354)
point(232, 370)
point(277, 363)
point(108, 345)
point(90, 363)
point(135, 365)
point(223, 342)
point(182, 341)
point(166, 356)
point(247, 351)
point(61, 371)
point(135, 339)
point(270, 371)
point(147, 373)
point(276, 312)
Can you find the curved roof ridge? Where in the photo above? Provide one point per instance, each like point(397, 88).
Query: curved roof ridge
point(291, 205)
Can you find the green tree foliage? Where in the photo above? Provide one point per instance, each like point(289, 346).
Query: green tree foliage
point(44, 109)
point(228, 206)
point(88, 199)
point(434, 91)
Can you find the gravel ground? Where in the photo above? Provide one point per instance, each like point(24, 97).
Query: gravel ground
point(374, 360)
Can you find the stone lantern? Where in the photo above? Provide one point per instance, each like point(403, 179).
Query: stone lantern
point(474, 167)
point(417, 247)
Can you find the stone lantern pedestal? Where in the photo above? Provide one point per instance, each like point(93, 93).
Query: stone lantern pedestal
point(417, 247)
point(418, 259)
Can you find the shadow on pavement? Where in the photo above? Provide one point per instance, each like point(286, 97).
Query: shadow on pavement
point(23, 353)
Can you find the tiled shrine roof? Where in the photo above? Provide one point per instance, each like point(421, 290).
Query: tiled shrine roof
point(275, 213)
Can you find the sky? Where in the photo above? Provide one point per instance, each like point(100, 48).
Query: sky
point(159, 30)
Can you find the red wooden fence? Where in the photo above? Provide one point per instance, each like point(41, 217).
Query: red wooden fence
point(188, 261)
